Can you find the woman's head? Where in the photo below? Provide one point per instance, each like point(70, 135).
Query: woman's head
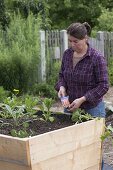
point(78, 36)
point(79, 30)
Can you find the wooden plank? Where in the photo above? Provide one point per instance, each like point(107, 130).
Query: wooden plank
point(65, 140)
point(62, 162)
point(76, 160)
point(87, 156)
point(95, 167)
point(12, 166)
point(14, 150)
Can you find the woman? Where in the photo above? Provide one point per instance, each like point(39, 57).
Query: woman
point(83, 75)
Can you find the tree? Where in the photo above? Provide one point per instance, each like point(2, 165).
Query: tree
point(37, 7)
point(105, 21)
point(4, 18)
point(108, 4)
point(64, 12)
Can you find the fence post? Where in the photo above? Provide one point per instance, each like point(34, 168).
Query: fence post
point(63, 41)
point(100, 37)
point(111, 44)
point(42, 72)
point(107, 45)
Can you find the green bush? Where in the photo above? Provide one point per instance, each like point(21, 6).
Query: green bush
point(37, 7)
point(44, 90)
point(4, 17)
point(110, 70)
point(20, 52)
point(53, 71)
point(3, 94)
point(105, 21)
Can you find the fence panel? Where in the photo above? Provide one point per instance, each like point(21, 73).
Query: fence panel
point(56, 42)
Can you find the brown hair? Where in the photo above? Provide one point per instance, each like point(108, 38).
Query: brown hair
point(79, 30)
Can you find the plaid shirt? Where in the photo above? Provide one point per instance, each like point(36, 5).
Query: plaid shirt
point(89, 77)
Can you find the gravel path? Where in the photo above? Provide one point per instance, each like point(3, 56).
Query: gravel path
point(108, 143)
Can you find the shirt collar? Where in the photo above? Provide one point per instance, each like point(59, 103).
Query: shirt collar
point(88, 53)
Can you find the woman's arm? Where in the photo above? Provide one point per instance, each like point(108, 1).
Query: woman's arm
point(101, 78)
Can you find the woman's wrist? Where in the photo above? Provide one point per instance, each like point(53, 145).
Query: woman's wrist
point(83, 99)
point(62, 88)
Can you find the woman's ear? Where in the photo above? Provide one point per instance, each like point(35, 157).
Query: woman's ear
point(86, 38)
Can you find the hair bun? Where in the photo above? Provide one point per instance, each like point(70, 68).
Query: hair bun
point(88, 27)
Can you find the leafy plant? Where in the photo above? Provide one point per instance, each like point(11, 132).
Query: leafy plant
point(45, 108)
point(107, 133)
point(21, 133)
point(27, 102)
point(18, 108)
point(30, 102)
point(13, 101)
point(15, 113)
point(79, 116)
point(110, 70)
point(21, 111)
point(3, 94)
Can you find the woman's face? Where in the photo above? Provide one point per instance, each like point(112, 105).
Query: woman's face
point(77, 44)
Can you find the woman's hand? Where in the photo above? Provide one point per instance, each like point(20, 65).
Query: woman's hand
point(76, 103)
point(63, 97)
point(65, 101)
point(62, 92)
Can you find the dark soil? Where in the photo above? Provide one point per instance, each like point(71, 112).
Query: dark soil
point(36, 126)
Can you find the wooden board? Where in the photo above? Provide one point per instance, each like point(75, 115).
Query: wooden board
point(4, 165)
point(78, 147)
point(14, 150)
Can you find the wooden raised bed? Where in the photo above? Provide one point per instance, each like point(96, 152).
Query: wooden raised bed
point(77, 147)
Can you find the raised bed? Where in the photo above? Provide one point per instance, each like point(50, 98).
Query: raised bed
point(77, 147)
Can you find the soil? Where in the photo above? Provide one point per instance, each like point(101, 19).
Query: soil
point(37, 125)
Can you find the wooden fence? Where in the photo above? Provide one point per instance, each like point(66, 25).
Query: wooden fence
point(54, 43)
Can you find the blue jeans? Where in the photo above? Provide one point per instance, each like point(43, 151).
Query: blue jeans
point(98, 111)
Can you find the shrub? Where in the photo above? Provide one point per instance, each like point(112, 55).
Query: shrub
point(44, 90)
point(52, 74)
point(3, 94)
point(105, 21)
point(110, 70)
point(20, 52)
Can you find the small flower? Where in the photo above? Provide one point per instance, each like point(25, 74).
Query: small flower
point(16, 91)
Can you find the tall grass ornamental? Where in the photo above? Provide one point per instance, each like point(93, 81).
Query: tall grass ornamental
point(20, 53)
